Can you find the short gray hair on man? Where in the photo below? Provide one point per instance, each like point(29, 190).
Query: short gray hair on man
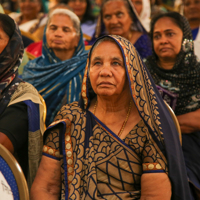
point(70, 14)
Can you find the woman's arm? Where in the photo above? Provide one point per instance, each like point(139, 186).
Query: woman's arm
point(5, 141)
point(155, 186)
point(190, 122)
point(47, 183)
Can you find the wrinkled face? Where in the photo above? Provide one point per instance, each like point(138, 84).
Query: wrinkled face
point(79, 7)
point(192, 9)
point(107, 71)
point(138, 5)
point(4, 39)
point(61, 34)
point(30, 7)
point(116, 18)
point(167, 39)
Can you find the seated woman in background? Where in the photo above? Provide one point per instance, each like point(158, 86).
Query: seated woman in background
point(82, 8)
point(30, 19)
point(21, 110)
point(176, 71)
point(58, 73)
point(116, 143)
point(119, 17)
point(191, 10)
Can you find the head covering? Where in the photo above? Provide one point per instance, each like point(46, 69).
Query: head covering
point(183, 79)
point(146, 14)
point(10, 59)
point(100, 28)
point(153, 112)
point(59, 82)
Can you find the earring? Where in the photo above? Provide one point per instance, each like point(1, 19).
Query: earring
point(188, 45)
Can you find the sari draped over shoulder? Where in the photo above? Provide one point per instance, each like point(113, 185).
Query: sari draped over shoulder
point(96, 163)
point(13, 90)
point(59, 82)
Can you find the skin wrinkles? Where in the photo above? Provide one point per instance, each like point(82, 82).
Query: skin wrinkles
point(116, 18)
point(107, 72)
point(61, 36)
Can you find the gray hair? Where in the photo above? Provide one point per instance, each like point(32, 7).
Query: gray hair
point(70, 14)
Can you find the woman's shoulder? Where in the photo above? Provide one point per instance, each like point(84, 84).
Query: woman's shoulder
point(25, 91)
point(70, 111)
point(15, 15)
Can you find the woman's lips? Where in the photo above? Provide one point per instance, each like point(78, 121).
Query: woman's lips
point(103, 84)
point(57, 41)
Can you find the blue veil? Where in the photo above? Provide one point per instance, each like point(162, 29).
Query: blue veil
point(58, 82)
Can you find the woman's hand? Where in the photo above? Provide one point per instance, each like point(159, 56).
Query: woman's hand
point(47, 183)
point(189, 122)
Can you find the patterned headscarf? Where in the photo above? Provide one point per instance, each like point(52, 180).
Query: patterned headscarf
point(151, 109)
point(10, 59)
point(184, 78)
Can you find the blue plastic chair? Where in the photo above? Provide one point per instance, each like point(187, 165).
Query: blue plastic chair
point(13, 174)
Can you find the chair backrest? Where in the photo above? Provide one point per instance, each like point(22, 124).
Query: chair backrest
point(175, 121)
point(12, 176)
point(45, 109)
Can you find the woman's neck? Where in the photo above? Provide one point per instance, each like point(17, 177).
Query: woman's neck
point(133, 36)
point(64, 54)
point(166, 64)
point(194, 23)
point(26, 18)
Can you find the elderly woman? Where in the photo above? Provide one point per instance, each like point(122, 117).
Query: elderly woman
point(30, 19)
point(175, 70)
point(118, 142)
point(58, 73)
point(120, 18)
point(21, 110)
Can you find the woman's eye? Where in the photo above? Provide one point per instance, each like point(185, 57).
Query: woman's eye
point(116, 63)
point(156, 37)
point(97, 63)
point(170, 34)
point(66, 30)
point(107, 17)
point(120, 14)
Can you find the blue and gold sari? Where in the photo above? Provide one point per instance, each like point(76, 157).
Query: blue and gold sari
point(96, 163)
point(59, 82)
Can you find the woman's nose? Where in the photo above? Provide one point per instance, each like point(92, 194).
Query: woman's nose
point(114, 20)
point(58, 32)
point(163, 39)
point(105, 71)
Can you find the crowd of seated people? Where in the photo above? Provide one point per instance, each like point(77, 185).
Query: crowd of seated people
point(108, 132)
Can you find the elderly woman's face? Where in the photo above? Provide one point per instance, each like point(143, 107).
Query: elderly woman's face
point(107, 71)
point(61, 34)
point(30, 7)
point(4, 39)
point(192, 9)
point(116, 18)
point(167, 39)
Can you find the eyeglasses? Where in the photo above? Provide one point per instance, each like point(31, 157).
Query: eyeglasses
point(80, 1)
